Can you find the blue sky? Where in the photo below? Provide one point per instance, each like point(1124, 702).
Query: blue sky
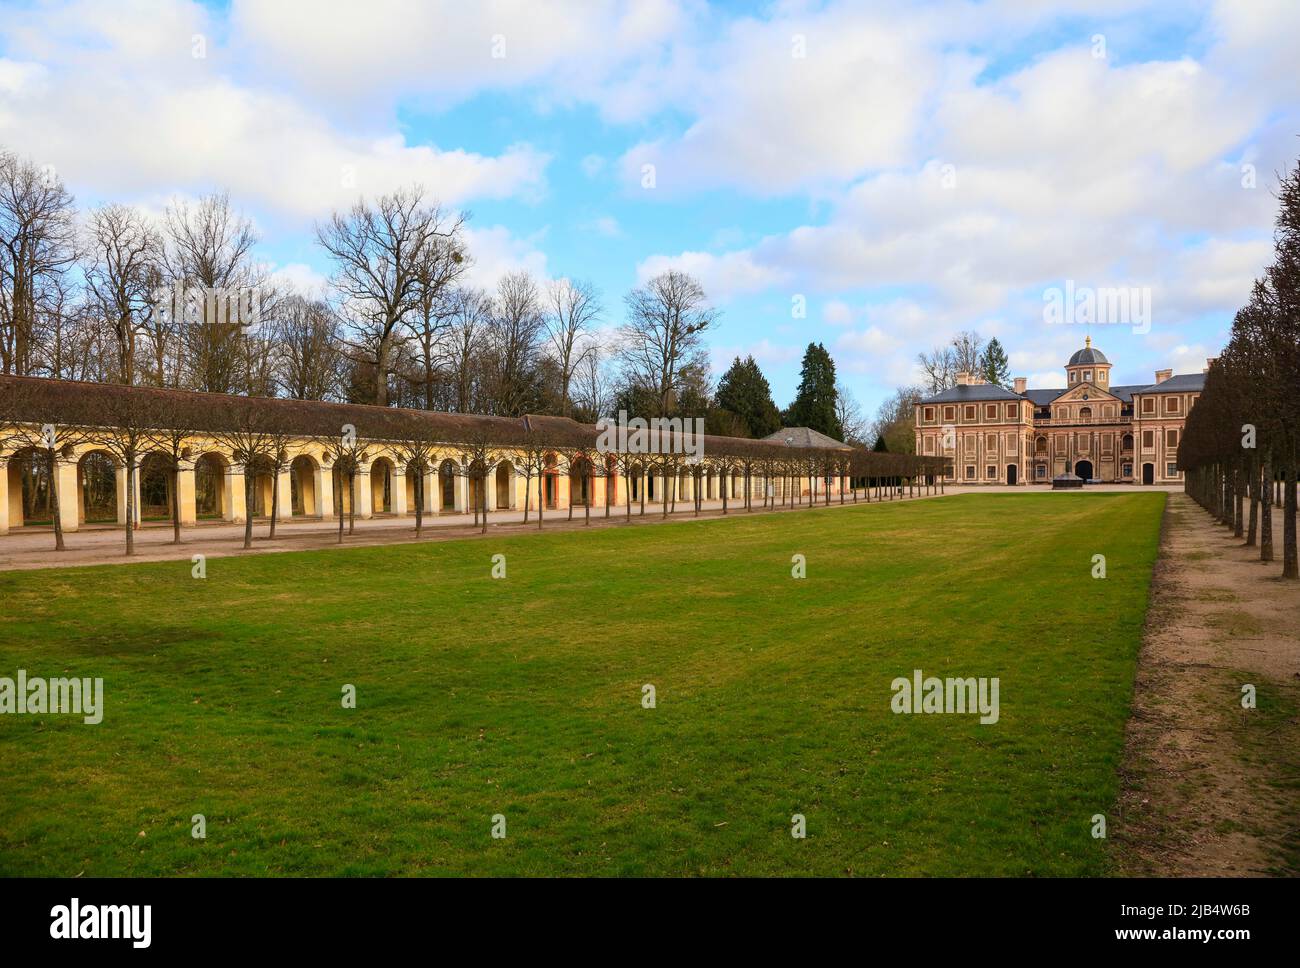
point(908, 170)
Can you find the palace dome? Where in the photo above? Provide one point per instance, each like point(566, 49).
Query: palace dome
point(1088, 355)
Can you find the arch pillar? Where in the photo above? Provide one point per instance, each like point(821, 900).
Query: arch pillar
point(65, 472)
point(5, 511)
point(398, 484)
point(364, 497)
point(236, 510)
point(284, 484)
point(432, 494)
point(185, 496)
point(461, 485)
point(325, 491)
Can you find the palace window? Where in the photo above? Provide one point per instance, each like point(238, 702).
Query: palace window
point(1171, 438)
point(991, 412)
point(991, 442)
point(1040, 471)
point(1172, 404)
point(1073, 376)
point(970, 413)
point(1148, 439)
point(1087, 376)
point(970, 472)
point(1148, 404)
point(1011, 411)
point(1171, 470)
point(1127, 470)
point(1011, 443)
point(929, 414)
point(929, 445)
point(950, 414)
point(991, 472)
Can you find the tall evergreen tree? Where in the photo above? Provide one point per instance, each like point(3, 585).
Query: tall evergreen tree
point(994, 365)
point(745, 392)
point(814, 403)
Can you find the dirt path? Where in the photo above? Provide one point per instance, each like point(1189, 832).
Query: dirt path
point(1211, 788)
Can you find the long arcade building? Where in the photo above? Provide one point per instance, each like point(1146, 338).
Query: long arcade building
point(200, 445)
point(1100, 432)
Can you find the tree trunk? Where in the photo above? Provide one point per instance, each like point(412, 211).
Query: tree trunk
point(176, 504)
point(352, 502)
point(1266, 513)
point(418, 492)
point(338, 505)
point(249, 504)
point(1252, 488)
point(275, 502)
point(130, 506)
point(55, 499)
point(1290, 567)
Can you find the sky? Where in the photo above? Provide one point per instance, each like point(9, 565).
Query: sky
point(875, 176)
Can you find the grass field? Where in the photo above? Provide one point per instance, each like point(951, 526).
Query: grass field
point(522, 697)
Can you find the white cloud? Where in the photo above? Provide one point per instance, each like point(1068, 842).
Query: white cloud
point(723, 277)
point(496, 252)
point(119, 105)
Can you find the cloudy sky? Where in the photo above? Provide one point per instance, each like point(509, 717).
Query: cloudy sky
point(903, 170)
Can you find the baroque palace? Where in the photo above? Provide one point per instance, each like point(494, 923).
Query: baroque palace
point(1099, 432)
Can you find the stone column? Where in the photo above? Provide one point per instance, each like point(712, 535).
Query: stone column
point(398, 483)
point(284, 484)
point(363, 495)
point(69, 506)
point(431, 495)
point(5, 511)
point(237, 511)
point(185, 497)
point(325, 492)
point(460, 486)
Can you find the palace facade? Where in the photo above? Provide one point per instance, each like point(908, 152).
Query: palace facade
point(1089, 427)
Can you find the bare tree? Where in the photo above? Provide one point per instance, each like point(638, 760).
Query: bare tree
point(381, 255)
point(514, 335)
point(123, 277)
point(849, 415)
point(663, 335)
point(208, 263)
point(346, 452)
point(250, 431)
point(572, 310)
point(471, 318)
point(37, 245)
point(307, 337)
point(439, 266)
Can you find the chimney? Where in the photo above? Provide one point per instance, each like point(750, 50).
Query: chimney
point(1021, 383)
point(1163, 375)
point(1210, 362)
point(963, 379)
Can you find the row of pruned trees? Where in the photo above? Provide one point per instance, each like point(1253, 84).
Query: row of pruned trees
point(43, 424)
point(1240, 448)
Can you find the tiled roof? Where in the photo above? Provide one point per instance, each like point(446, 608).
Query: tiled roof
point(1183, 383)
point(804, 437)
point(973, 393)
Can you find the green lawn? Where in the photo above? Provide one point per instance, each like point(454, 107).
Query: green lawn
point(522, 697)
